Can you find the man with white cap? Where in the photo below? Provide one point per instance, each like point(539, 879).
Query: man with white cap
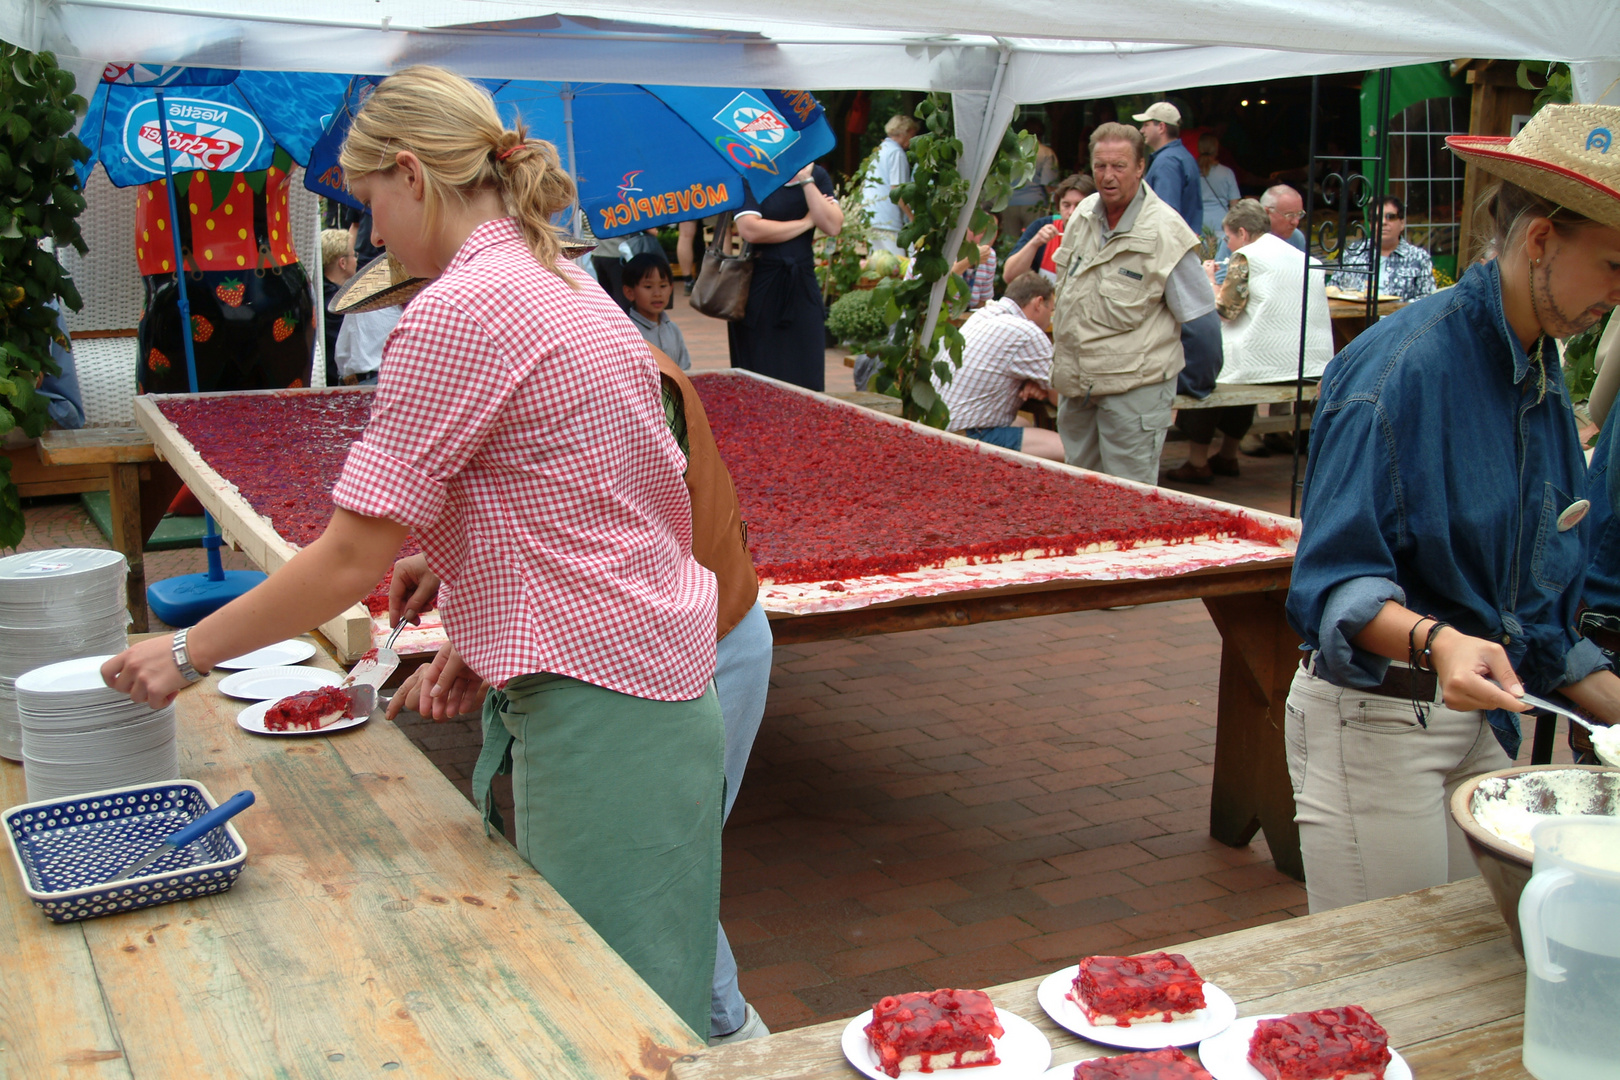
point(1172, 170)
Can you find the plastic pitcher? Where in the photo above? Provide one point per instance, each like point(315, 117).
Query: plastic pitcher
point(1569, 916)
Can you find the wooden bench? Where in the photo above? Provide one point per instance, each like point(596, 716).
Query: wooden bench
point(137, 482)
point(1226, 394)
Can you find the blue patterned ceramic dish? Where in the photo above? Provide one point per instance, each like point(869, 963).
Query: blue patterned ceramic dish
point(67, 848)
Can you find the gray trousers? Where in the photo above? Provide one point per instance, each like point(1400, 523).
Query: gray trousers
point(1118, 434)
point(1372, 790)
point(742, 676)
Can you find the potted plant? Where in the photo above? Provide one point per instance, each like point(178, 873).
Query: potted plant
point(39, 201)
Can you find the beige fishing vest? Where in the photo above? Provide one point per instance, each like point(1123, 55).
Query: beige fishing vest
point(1112, 331)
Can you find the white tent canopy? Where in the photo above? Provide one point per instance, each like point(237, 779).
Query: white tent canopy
point(992, 54)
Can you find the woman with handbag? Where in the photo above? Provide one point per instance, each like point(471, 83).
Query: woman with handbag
point(782, 334)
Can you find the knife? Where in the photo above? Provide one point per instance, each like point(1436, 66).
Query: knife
point(204, 825)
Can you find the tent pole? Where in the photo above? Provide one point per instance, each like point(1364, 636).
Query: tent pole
point(179, 252)
point(573, 167)
point(216, 568)
point(985, 157)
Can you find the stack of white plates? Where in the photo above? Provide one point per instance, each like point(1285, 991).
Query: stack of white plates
point(55, 605)
point(78, 735)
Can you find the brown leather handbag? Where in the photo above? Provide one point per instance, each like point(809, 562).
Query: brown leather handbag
point(722, 284)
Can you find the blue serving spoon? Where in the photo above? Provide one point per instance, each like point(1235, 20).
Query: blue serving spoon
point(185, 835)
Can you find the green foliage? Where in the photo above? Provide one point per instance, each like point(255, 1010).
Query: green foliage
point(39, 200)
point(855, 319)
point(1580, 360)
point(1553, 81)
point(936, 194)
point(838, 258)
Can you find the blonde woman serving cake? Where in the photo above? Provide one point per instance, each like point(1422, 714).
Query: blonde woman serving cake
point(1443, 548)
point(518, 432)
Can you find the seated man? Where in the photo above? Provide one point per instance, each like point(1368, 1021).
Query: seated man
point(1006, 360)
point(1404, 269)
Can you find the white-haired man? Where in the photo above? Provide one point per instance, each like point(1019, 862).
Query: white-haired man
point(891, 169)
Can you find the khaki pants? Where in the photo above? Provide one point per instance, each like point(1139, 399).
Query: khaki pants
point(1372, 790)
point(1120, 434)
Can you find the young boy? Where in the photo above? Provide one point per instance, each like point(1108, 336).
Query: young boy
point(647, 286)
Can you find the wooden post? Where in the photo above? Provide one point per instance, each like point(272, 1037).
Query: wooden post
point(1498, 97)
point(1251, 790)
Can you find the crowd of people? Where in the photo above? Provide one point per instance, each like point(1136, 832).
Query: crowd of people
point(583, 543)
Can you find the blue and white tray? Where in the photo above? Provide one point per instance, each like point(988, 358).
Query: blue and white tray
point(66, 847)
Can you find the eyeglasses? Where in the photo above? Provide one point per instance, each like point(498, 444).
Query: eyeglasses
point(1391, 217)
point(1292, 215)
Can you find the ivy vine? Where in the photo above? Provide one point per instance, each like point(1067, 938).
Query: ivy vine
point(909, 366)
point(38, 201)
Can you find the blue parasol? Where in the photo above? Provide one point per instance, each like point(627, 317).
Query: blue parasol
point(143, 124)
point(641, 156)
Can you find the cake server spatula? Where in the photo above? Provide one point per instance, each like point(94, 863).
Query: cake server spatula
point(201, 827)
point(374, 668)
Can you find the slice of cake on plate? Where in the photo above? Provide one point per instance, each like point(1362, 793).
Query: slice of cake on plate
point(1124, 990)
point(309, 710)
point(1329, 1044)
point(944, 1029)
point(1167, 1064)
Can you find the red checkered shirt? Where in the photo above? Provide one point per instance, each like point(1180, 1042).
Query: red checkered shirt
point(518, 430)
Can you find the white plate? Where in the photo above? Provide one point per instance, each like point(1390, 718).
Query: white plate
point(1226, 1055)
point(1023, 1050)
point(1218, 1013)
point(291, 651)
point(275, 683)
point(1066, 1072)
point(252, 719)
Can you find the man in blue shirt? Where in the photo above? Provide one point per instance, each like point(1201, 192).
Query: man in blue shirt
point(1172, 170)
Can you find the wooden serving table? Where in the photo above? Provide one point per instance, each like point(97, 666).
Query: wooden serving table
point(1436, 968)
point(374, 929)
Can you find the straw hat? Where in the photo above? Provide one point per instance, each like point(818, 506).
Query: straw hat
point(1567, 153)
point(383, 282)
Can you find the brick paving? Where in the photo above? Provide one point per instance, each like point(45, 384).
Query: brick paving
point(954, 807)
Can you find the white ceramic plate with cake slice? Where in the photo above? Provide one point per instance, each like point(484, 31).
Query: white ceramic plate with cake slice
point(1218, 1013)
point(252, 719)
point(1023, 1050)
point(282, 653)
point(1226, 1055)
point(1066, 1072)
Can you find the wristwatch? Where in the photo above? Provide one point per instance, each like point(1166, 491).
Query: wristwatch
point(182, 656)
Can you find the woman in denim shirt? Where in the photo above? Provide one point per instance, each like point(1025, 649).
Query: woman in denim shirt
point(1442, 527)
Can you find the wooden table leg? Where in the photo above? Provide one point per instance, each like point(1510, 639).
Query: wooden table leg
point(1259, 652)
point(128, 536)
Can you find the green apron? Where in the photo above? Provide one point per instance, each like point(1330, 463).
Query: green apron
point(618, 803)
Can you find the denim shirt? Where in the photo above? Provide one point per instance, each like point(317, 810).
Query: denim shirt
point(1603, 572)
point(1438, 469)
point(1173, 174)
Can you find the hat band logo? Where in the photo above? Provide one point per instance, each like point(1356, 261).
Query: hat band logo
point(1599, 140)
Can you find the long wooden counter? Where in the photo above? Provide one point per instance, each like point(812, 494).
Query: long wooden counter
point(1435, 967)
point(375, 928)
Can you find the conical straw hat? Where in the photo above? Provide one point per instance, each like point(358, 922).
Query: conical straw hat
point(1567, 153)
point(383, 282)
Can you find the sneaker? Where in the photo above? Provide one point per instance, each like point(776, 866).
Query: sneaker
point(688, 283)
point(753, 1028)
point(1189, 473)
point(1221, 466)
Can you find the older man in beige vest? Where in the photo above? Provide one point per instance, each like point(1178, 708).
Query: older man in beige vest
point(1128, 276)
